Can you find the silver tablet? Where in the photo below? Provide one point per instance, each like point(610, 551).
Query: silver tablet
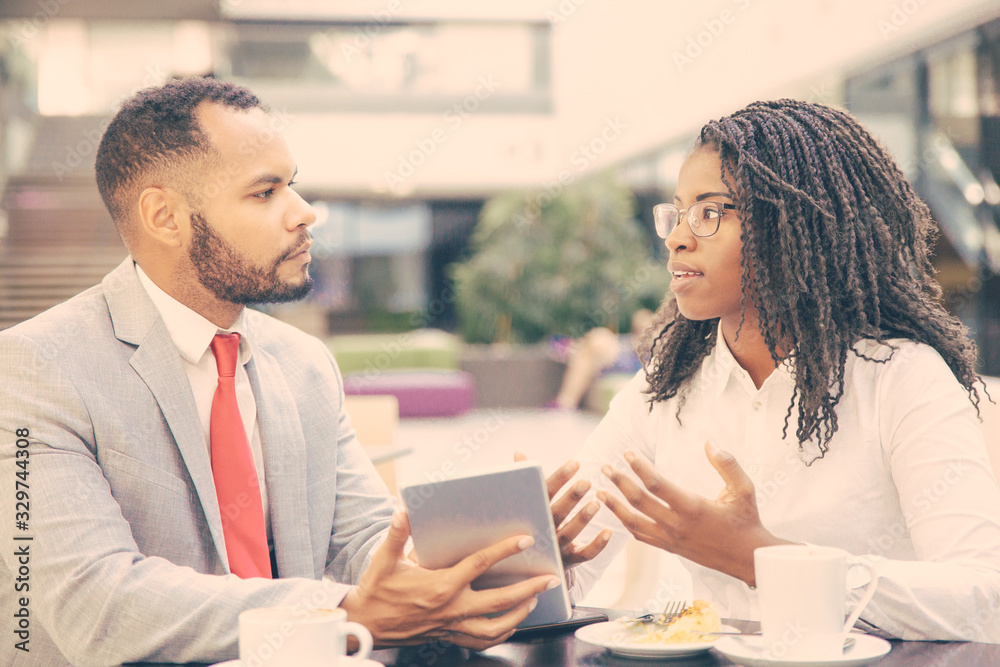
point(456, 517)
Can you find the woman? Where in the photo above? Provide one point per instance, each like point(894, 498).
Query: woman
point(804, 384)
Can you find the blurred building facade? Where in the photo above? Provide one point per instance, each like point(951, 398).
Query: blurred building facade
point(406, 117)
point(938, 109)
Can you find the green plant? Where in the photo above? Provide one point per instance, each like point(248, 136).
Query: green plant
point(549, 263)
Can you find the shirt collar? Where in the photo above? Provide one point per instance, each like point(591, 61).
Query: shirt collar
point(723, 367)
point(191, 332)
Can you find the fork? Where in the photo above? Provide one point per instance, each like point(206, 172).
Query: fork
point(672, 610)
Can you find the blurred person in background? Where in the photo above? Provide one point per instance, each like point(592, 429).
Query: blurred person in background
point(598, 352)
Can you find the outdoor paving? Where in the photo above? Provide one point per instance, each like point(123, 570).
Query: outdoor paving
point(444, 447)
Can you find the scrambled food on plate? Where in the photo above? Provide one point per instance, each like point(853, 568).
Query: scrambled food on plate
point(700, 616)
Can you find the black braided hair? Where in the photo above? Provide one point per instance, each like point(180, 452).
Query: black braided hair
point(836, 249)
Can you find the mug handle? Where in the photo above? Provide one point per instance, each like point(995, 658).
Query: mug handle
point(867, 597)
point(364, 638)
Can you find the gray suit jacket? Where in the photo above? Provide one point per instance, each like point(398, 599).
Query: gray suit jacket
point(126, 559)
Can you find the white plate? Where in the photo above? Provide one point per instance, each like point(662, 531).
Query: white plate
point(614, 636)
point(346, 661)
point(747, 650)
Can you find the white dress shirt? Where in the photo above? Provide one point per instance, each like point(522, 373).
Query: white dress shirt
point(193, 334)
point(906, 482)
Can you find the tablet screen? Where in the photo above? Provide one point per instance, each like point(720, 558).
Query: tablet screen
point(456, 517)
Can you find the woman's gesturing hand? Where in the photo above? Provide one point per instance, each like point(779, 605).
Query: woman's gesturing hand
point(568, 530)
point(721, 534)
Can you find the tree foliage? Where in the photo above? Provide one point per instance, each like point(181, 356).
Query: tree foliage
point(549, 263)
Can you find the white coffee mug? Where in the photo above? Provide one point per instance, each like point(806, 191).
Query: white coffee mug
point(297, 637)
point(803, 593)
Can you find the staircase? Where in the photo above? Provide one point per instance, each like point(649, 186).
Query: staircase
point(59, 238)
point(33, 279)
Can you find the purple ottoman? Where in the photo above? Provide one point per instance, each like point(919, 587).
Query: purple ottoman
point(420, 393)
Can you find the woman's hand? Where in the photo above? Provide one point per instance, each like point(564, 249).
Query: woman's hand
point(721, 534)
point(567, 531)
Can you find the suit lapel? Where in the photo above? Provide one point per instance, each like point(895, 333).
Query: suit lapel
point(284, 451)
point(156, 360)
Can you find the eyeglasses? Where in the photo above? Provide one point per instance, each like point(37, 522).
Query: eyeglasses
point(703, 218)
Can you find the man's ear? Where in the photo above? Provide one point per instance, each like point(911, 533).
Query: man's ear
point(163, 216)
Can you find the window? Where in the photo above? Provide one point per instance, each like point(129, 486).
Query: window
point(394, 67)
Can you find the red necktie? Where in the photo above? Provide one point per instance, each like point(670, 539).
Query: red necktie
point(234, 471)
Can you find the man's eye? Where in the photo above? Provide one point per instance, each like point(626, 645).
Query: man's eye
point(266, 194)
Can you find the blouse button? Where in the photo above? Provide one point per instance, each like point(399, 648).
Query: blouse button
point(757, 405)
point(753, 469)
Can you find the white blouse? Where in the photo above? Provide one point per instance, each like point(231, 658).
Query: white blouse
point(906, 482)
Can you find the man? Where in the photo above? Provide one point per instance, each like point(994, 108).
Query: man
point(168, 452)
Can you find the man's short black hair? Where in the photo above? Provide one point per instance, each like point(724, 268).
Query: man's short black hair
point(155, 138)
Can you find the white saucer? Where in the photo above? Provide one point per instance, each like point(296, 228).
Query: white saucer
point(345, 661)
point(747, 650)
point(616, 638)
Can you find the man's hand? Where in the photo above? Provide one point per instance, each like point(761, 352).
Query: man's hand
point(720, 534)
point(567, 531)
point(403, 603)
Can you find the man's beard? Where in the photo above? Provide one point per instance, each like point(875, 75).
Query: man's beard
point(232, 277)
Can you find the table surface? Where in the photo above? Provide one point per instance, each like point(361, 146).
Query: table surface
point(381, 453)
point(562, 649)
